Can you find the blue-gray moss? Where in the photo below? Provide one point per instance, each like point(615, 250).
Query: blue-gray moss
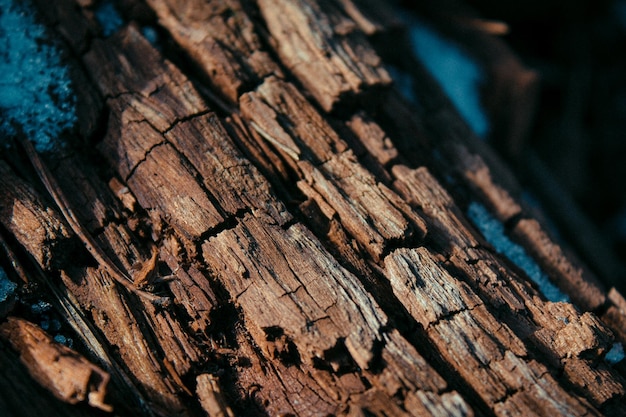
point(109, 17)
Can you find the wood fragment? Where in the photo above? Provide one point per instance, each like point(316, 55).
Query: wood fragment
point(573, 278)
point(324, 49)
point(131, 327)
point(88, 241)
point(372, 17)
point(21, 395)
point(221, 38)
point(37, 226)
point(68, 375)
point(211, 397)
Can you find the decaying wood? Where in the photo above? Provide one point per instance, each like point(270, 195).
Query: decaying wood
point(253, 233)
point(37, 226)
point(65, 373)
point(368, 210)
point(50, 183)
point(321, 46)
point(306, 223)
point(221, 39)
point(211, 396)
point(21, 395)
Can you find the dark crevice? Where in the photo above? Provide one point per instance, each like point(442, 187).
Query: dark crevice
point(226, 321)
point(231, 222)
point(413, 240)
point(376, 365)
point(290, 223)
point(512, 221)
point(284, 188)
point(336, 360)
point(186, 119)
point(285, 349)
point(142, 160)
point(418, 337)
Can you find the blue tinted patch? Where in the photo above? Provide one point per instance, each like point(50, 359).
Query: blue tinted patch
point(7, 293)
point(36, 97)
point(615, 355)
point(7, 287)
point(458, 74)
point(493, 230)
point(108, 17)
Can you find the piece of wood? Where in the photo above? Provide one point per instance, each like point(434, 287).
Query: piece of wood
point(64, 372)
point(370, 211)
point(211, 396)
point(221, 39)
point(38, 227)
point(322, 47)
point(21, 395)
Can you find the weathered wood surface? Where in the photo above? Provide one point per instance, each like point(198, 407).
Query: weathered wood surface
point(65, 373)
point(302, 228)
point(20, 394)
point(38, 227)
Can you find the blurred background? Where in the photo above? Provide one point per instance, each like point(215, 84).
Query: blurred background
point(553, 86)
point(578, 49)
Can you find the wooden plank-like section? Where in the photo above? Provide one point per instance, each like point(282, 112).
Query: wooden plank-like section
point(371, 212)
point(302, 306)
point(63, 371)
point(221, 38)
point(323, 48)
point(277, 275)
point(37, 226)
point(476, 344)
point(340, 325)
point(518, 302)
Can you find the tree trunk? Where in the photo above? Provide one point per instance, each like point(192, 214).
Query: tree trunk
point(272, 229)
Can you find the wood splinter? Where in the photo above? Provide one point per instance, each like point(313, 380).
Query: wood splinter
point(146, 272)
point(65, 373)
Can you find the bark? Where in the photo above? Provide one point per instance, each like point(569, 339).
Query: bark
point(274, 230)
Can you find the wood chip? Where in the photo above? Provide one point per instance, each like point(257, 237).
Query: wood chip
point(67, 374)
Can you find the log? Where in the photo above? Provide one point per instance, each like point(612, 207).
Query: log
point(259, 224)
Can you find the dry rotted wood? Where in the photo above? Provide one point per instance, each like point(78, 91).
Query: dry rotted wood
point(315, 251)
point(38, 228)
point(64, 372)
point(21, 395)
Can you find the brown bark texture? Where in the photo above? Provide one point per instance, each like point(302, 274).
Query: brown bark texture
point(251, 220)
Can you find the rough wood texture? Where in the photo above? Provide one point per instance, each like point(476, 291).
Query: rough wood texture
point(304, 253)
point(221, 39)
point(323, 48)
point(65, 373)
point(21, 395)
point(38, 227)
point(371, 212)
